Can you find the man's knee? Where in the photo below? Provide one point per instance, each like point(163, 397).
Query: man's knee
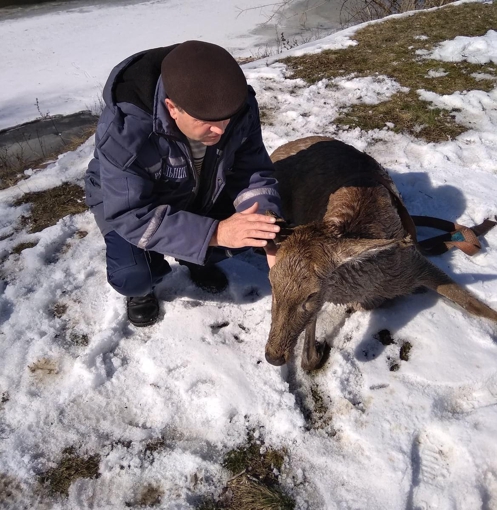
point(130, 282)
point(132, 271)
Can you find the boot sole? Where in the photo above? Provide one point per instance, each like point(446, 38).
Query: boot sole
point(143, 324)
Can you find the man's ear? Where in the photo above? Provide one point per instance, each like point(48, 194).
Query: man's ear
point(171, 108)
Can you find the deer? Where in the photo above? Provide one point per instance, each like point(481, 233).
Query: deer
point(347, 239)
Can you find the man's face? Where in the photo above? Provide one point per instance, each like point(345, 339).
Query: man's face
point(209, 133)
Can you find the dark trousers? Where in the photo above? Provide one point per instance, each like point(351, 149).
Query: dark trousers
point(132, 271)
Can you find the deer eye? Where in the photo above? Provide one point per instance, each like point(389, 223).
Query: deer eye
point(308, 301)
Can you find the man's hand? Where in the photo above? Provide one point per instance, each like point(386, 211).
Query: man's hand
point(245, 229)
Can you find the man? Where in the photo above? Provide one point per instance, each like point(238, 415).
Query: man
point(179, 169)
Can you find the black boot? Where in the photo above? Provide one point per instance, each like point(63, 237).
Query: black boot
point(208, 278)
point(142, 310)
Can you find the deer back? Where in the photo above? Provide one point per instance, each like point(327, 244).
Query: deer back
point(322, 179)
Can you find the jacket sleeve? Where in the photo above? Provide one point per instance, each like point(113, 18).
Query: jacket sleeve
point(138, 214)
point(253, 172)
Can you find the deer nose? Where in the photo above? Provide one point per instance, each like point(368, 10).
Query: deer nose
point(277, 362)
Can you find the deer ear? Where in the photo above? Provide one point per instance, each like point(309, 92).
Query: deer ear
point(357, 250)
point(283, 234)
point(285, 229)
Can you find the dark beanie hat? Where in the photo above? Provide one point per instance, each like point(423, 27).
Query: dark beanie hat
point(204, 80)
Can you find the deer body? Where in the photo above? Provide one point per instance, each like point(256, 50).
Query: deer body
point(353, 244)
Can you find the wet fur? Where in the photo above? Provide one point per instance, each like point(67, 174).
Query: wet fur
point(349, 245)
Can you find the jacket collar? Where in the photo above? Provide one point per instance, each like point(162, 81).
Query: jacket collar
point(163, 124)
point(110, 85)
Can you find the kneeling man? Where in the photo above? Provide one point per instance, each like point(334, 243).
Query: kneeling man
point(179, 169)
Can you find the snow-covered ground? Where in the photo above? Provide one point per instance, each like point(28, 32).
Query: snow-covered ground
point(62, 59)
point(423, 436)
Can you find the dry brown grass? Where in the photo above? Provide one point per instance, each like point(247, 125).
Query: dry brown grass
point(407, 114)
point(389, 48)
point(248, 493)
point(70, 468)
point(249, 458)
point(19, 248)
point(255, 484)
point(44, 366)
point(49, 206)
point(357, 11)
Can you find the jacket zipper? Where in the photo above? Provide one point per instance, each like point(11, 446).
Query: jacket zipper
point(209, 201)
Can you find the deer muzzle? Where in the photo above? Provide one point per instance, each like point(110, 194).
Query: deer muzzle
point(276, 361)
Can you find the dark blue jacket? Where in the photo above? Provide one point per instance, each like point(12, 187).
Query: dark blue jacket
point(142, 183)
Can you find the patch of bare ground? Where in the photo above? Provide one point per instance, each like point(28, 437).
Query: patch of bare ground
point(44, 366)
point(69, 468)
point(149, 495)
point(389, 49)
point(59, 310)
point(319, 415)
point(254, 484)
point(10, 492)
point(19, 248)
point(79, 339)
point(49, 206)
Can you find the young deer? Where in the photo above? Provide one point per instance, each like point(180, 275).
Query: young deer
point(354, 243)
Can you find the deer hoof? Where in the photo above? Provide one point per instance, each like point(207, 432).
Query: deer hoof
point(312, 361)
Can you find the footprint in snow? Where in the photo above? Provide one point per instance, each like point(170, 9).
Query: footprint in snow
point(470, 399)
point(432, 457)
point(351, 380)
point(444, 473)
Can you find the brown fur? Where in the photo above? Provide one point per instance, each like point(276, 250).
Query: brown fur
point(350, 245)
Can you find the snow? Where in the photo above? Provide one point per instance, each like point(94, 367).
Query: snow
point(420, 437)
point(68, 67)
point(477, 50)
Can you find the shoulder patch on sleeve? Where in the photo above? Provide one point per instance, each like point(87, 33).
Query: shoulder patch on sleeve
point(113, 151)
point(125, 136)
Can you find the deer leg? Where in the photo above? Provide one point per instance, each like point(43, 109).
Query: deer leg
point(313, 352)
point(437, 280)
